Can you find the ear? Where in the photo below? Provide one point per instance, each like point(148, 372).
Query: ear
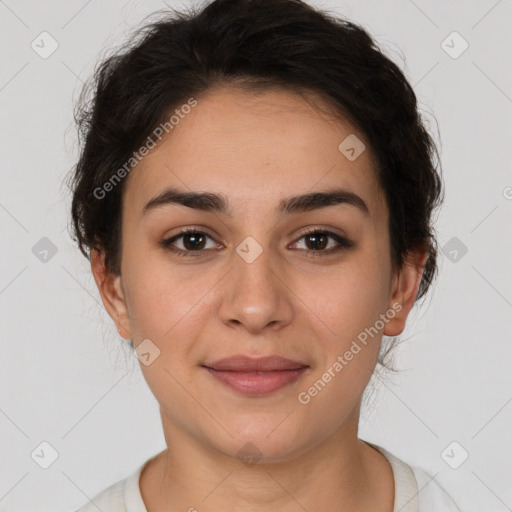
point(404, 289)
point(112, 293)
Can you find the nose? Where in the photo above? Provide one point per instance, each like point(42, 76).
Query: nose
point(256, 295)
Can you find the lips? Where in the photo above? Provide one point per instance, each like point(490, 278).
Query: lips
point(250, 364)
point(256, 376)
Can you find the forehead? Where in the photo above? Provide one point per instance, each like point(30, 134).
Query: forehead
point(259, 146)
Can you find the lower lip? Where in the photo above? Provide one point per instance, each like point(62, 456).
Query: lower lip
point(257, 383)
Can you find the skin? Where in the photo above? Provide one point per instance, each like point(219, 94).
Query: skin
point(289, 302)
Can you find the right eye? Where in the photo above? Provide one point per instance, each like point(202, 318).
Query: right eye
point(192, 241)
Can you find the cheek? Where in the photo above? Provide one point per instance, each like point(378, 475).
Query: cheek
point(161, 298)
point(349, 297)
point(344, 318)
point(161, 306)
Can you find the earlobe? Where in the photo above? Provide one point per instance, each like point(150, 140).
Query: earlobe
point(404, 291)
point(111, 292)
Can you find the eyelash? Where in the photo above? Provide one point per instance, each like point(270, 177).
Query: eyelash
point(343, 242)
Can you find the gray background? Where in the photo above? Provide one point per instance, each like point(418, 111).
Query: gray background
point(68, 379)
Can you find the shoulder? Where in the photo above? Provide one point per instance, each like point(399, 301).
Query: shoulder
point(416, 490)
point(122, 496)
point(110, 499)
point(431, 494)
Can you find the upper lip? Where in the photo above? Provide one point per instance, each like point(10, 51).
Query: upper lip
point(241, 363)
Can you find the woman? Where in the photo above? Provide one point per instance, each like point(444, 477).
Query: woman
point(255, 193)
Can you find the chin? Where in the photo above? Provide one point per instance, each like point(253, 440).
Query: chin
point(270, 441)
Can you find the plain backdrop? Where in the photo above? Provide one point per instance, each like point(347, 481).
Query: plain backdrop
point(69, 381)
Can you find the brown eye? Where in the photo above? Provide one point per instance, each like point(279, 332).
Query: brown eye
point(317, 241)
point(193, 241)
point(321, 242)
point(189, 241)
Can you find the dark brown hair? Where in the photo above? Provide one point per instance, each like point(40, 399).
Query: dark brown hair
point(258, 44)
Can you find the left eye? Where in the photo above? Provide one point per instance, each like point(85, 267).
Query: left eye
point(318, 241)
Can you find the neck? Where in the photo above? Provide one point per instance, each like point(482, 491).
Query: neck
point(342, 473)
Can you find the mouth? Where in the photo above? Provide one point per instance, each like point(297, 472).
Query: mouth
point(256, 376)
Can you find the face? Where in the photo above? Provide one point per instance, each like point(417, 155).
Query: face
point(259, 273)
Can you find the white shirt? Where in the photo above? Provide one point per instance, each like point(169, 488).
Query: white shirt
point(415, 491)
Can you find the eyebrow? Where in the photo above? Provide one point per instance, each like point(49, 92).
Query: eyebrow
point(218, 203)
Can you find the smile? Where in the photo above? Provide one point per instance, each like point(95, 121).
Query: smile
point(256, 382)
